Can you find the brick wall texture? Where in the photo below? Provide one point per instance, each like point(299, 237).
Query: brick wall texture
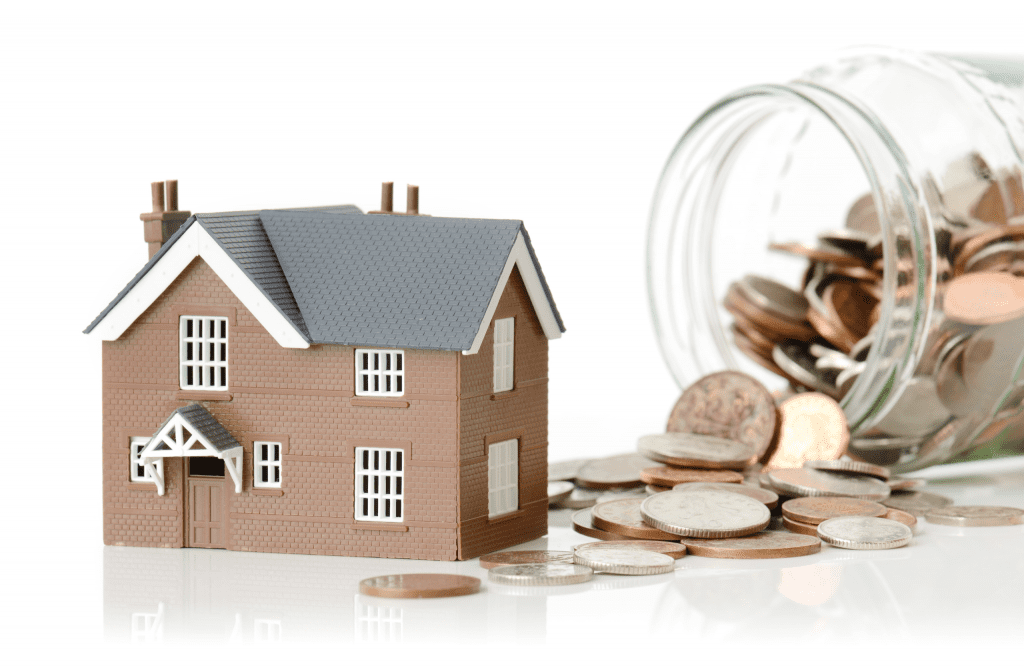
point(305, 399)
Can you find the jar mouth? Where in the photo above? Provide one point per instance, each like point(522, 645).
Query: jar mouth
point(692, 203)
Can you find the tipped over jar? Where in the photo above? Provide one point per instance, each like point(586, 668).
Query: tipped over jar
point(858, 231)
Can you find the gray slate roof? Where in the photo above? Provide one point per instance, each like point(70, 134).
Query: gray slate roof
point(205, 425)
point(344, 277)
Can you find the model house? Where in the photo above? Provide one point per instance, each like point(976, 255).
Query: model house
point(327, 381)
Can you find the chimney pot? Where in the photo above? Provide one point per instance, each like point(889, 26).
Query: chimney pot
point(172, 195)
point(412, 199)
point(158, 196)
point(387, 191)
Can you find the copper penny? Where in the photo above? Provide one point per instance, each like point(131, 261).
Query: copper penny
point(752, 339)
point(816, 510)
point(753, 353)
point(583, 523)
point(916, 502)
point(848, 309)
point(981, 240)
point(614, 472)
point(906, 518)
point(622, 517)
point(821, 254)
point(672, 549)
point(800, 528)
point(520, 557)
point(812, 427)
point(766, 321)
point(766, 544)
point(421, 585)
point(750, 331)
point(728, 404)
point(767, 498)
point(905, 483)
point(651, 489)
point(984, 298)
point(666, 476)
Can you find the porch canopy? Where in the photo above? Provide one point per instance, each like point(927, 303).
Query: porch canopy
point(192, 431)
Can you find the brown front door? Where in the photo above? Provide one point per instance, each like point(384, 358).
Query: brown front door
point(206, 511)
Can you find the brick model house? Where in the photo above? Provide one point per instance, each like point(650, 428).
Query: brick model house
point(327, 381)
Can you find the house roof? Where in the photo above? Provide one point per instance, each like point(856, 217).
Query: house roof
point(340, 276)
point(207, 427)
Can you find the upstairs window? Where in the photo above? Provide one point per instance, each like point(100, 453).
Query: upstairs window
point(380, 372)
point(266, 465)
point(203, 353)
point(504, 346)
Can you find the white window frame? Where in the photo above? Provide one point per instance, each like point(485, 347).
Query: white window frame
point(504, 351)
point(208, 358)
point(272, 463)
point(502, 478)
point(380, 372)
point(380, 484)
point(136, 445)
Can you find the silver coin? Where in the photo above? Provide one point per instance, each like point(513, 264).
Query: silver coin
point(580, 498)
point(623, 559)
point(975, 515)
point(917, 412)
point(704, 513)
point(864, 532)
point(609, 496)
point(565, 470)
point(848, 377)
point(622, 471)
point(774, 297)
point(769, 499)
point(794, 359)
point(856, 467)
point(916, 502)
point(810, 482)
point(540, 574)
point(558, 491)
point(880, 443)
point(692, 450)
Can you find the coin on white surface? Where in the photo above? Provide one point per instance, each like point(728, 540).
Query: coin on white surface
point(690, 450)
point(558, 491)
point(864, 532)
point(810, 482)
point(854, 467)
point(975, 515)
point(705, 513)
point(540, 574)
point(565, 470)
point(916, 502)
point(623, 559)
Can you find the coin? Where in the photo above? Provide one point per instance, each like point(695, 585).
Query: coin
point(540, 574)
point(767, 498)
point(810, 529)
point(916, 502)
point(712, 514)
point(583, 523)
point(580, 498)
point(521, 557)
point(622, 471)
point(906, 518)
point(856, 467)
point(651, 489)
point(823, 253)
point(772, 325)
point(419, 585)
point(766, 544)
point(918, 411)
point(774, 297)
point(565, 470)
point(905, 483)
point(975, 515)
point(984, 298)
point(809, 482)
point(699, 451)
point(619, 495)
point(812, 427)
point(798, 365)
point(623, 560)
point(816, 510)
point(730, 405)
point(622, 517)
point(669, 476)
point(559, 491)
point(672, 549)
point(864, 532)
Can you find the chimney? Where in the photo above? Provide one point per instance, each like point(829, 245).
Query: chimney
point(387, 196)
point(165, 219)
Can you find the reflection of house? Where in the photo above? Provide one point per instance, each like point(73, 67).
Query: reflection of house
point(326, 381)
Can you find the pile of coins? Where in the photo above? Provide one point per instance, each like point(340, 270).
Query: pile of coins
point(819, 337)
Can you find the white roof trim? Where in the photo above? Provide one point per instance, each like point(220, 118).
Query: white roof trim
point(169, 442)
point(197, 242)
point(520, 257)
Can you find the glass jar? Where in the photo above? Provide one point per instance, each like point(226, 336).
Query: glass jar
point(934, 143)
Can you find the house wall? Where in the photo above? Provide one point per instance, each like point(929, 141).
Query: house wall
point(303, 398)
point(487, 417)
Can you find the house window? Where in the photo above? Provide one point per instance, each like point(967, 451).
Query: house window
point(504, 346)
point(503, 478)
point(204, 353)
point(379, 484)
point(266, 465)
point(138, 472)
point(380, 372)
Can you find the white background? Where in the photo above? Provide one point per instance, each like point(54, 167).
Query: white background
point(557, 114)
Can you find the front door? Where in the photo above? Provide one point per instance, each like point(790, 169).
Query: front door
point(206, 504)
